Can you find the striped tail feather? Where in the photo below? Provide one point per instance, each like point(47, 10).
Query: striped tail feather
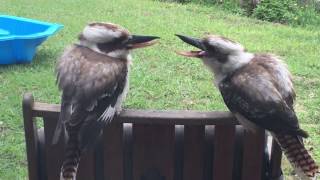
point(298, 156)
point(71, 159)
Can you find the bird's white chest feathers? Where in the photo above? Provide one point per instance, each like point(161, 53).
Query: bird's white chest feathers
point(124, 93)
point(234, 62)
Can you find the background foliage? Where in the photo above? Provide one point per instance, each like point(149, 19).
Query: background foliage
point(293, 12)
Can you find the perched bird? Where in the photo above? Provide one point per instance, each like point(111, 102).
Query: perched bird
point(258, 90)
point(93, 76)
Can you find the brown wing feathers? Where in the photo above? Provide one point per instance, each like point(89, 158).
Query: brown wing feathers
point(253, 91)
point(91, 84)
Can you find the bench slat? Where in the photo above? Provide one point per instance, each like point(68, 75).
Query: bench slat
point(86, 169)
point(253, 149)
point(209, 151)
point(153, 151)
point(193, 152)
point(53, 153)
point(276, 155)
point(172, 117)
point(224, 138)
point(113, 152)
point(31, 136)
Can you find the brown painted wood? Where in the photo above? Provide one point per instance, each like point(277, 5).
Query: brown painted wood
point(31, 136)
point(193, 152)
point(238, 153)
point(153, 146)
point(41, 155)
point(276, 156)
point(113, 152)
point(179, 152)
point(209, 151)
point(153, 150)
point(224, 139)
point(86, 169)
point(127, 151)
point(253, 149)
point(182, 117)
point(53, 153)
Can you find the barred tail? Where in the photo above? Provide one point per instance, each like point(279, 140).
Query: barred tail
point(298, 156)
point(71, 160)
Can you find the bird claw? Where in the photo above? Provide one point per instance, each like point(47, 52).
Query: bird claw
point(118, 111)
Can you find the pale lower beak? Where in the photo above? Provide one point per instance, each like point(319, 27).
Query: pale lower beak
point(138, 41)
point(194, 42)
point(196, 54)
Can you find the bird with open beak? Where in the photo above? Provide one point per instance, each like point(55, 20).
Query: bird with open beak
point(93, 75)
point(258, 90)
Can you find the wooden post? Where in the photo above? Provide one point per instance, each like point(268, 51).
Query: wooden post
point(31, 136)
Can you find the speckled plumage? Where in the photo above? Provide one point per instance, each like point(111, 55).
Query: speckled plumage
point(93, 77)
point(258, 90)
point(91, 85)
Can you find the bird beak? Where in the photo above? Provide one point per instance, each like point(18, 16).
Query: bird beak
point(137, 41)
point(194, 42)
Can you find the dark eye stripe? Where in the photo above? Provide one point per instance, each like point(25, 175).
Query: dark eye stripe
point(117, 43)
point(215, 52)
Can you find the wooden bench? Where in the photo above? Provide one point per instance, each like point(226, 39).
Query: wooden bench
point(155, 145)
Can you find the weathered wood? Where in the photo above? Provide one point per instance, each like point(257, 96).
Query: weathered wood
point(153, 150)
point(253, 149)
point(238, 153)
point(209, 152)
point(224, 138)
point(53, 153)
point(42, 156)
point(113, 152)
point(193, 152)
point(86, 166)
point(127, 151)
point(178, 145)
point(179, 152)
point(30, 131)
point(275, 161)
point(99, 159)
point(154, 116)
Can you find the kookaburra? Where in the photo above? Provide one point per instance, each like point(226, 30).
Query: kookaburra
point(258, 90)
point(93, 76)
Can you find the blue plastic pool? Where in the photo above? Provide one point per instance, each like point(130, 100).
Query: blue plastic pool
point(19, 38)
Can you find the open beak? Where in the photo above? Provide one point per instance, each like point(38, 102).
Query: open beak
point(194, 42)
point(137, 41)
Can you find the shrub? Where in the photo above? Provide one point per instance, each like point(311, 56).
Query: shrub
point(307, 16)
point(276, 11)
point(233, 7)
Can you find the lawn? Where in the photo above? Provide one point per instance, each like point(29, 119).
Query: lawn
point(159, 79)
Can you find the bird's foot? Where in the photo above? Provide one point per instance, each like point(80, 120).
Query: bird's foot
point(118, 111)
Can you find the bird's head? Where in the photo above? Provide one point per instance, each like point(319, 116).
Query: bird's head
point(112, 39)
point(220, 54)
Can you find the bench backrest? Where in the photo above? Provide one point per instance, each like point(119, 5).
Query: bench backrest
point(155, 145)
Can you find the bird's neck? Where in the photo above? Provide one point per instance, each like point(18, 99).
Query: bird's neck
point(234, 62)
point(90, 45)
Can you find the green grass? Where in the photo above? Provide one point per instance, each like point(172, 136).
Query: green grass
point(159, 78)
